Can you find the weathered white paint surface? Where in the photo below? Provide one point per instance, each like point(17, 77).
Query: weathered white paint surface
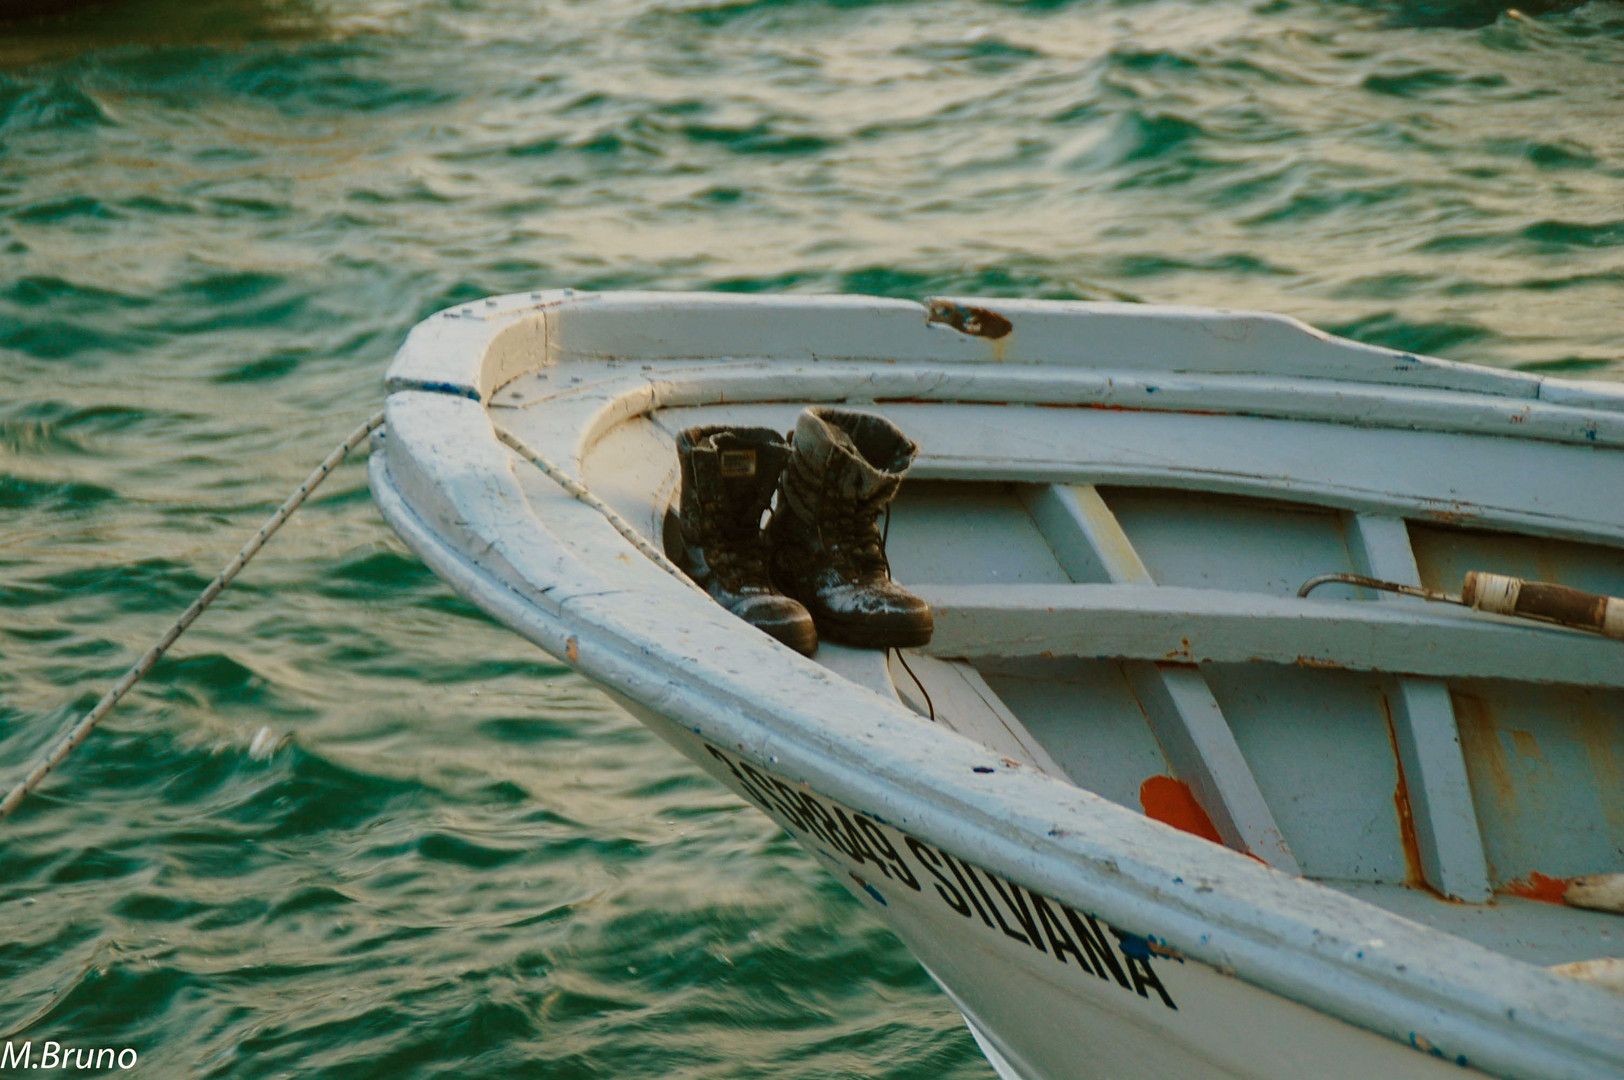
point(1272, 975)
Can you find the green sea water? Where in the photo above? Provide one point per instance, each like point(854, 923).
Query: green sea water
point(350, 828)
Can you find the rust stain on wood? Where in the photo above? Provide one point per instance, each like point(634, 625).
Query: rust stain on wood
point(1602, 736)
point(1414, 875)
point(930, 401)
point(1485, 756)
point(1527, 745)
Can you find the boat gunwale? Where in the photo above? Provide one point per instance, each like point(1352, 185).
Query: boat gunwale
point(492, 343)
point(691, 383)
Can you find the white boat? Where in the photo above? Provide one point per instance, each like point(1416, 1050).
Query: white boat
point(1112, 513)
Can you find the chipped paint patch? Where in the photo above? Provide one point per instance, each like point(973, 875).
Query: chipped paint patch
point(1538, 886)
point(966, 319)
point(871, 890)
point(1171, 802)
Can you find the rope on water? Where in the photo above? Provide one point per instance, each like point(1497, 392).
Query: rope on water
point(84, 727)
point(578, 489)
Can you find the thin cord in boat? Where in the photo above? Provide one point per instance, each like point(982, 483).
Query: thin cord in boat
point(885, 535)
point(929, 704)
point(577, 489)
point(84, 727)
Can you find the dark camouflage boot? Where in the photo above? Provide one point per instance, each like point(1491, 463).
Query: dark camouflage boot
point(843, 471)
point(728, 478)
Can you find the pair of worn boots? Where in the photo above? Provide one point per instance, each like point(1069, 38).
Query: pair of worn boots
point(818, 566)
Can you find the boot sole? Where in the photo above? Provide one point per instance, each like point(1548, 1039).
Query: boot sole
point(864, 632)
point(802, 637)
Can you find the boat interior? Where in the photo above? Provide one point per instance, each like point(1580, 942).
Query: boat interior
point(1116, 602)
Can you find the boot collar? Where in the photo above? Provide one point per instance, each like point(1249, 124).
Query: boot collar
point(872, 442)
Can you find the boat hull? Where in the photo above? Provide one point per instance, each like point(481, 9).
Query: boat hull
point(1049, 990)
point(1078, 937)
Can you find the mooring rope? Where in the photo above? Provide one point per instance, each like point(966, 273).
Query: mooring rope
point(578, 489)
point(84, 727)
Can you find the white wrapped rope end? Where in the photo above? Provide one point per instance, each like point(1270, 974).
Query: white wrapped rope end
point(1501, 594)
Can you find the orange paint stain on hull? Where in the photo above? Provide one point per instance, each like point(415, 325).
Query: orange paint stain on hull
point(1171, 802)
point(1538, 886)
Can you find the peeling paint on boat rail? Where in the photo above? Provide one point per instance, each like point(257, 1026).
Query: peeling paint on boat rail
point(975, 321)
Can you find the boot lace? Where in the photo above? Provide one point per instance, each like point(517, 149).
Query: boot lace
point(737, 553)
point(854, 536)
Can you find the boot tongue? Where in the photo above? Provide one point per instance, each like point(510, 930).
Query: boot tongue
point(842, 441)
point(748, 463)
